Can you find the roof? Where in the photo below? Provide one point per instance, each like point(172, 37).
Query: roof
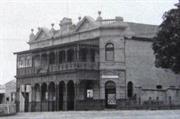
point(143, 30)
point(67, 27)
point(2, 89)
point(137, 31)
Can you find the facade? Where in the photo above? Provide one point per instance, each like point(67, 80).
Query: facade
point(7, 98)
point(2, 94)
point(8, 92)
point(92, 65)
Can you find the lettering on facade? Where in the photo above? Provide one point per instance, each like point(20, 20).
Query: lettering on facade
point(109, 76)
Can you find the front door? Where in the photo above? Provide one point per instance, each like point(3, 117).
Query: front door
point(110, 95)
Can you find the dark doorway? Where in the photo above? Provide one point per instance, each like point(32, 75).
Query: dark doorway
point(26, 96)
point(1, 98)
point(52, 97)
point(61, 94)
point(110, 94)
point(44, 97)
point(130, 89)
point(43, 92)
point(70, 95)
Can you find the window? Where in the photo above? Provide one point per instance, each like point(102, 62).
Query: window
point(130, 89)
point(21, 62)
point(7, 99)
point(28, 61)
point(159, 86)
point(109, 52)
point(89, 89)
point(36, 61)
point(150, 98)
point(93, 55)
point(157, 98)
point(70, 55)
point(83, 54)
point(89, 93)
point(52, 58)
point(61, 57)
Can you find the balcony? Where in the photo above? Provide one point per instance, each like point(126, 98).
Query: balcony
point(29, 71)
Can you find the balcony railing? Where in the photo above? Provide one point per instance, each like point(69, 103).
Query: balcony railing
point(57, 68)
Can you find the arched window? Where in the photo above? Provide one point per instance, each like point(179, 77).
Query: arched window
point(37, 93)
point(130, 89)
point(109, 52)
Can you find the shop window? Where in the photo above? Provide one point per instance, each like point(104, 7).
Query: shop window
point(89, 93)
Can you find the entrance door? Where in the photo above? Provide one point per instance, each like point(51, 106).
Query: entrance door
point(110, 94)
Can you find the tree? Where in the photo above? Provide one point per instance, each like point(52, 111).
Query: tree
point(166, 44)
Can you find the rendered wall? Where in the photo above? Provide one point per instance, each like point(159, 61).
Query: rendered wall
point(141, 70)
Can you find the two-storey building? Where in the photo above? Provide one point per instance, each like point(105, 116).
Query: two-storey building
point(94, 64)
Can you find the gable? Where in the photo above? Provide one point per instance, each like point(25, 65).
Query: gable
point(85, 24)
point(42, 35)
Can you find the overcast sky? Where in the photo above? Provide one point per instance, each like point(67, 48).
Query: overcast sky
point(17, 17)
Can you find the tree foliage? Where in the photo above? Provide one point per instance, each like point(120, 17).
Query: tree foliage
point(166, 43)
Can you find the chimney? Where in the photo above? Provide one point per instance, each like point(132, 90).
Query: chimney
point(65, 24)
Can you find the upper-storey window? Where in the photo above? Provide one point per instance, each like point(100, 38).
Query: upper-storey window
point(83, 54)
point(21, 62)
point(109, 52)
point(61, 57)
point(36, 61)
point(28, 61)
point(24, 61)
point(93, 55)
point(70, 55)
point(52, 58)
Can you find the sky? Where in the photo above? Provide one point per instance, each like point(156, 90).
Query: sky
point(17, 17)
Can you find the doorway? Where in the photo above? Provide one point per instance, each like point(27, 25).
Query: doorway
point(70, 95)
point(110, 94)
